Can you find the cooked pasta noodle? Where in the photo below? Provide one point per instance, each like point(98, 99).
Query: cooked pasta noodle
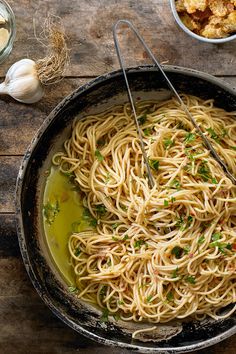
point(163, 253)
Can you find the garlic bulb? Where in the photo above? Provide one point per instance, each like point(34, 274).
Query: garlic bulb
point(22, 82)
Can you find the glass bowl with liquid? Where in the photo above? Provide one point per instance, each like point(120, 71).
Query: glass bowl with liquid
point(7, 30)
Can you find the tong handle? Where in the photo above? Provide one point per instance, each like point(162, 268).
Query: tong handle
point(181, 102)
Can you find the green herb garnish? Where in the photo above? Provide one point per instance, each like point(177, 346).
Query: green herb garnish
point(50, 211)
point(139, 243)
point(216, 236)
point(120, 302)
point(149, 298)
point(115, 238)
point(99, 155)
point(100, 209)
point(168, 143)
point(105, 314)
point(213, 134)
point(214, 181)
point(166, 203)
point(175, 273)
point(88, 217)
point(172, 199)
point(201, 240)
point(103, 291)
point(114, 226)
point(142, 119)
point(176, 184)
point(154, 164)
point(186, 249)
point(204, 171)
point(170, 296)
point(125, 237)
point(72, 289)
point(189, 137)
point(77, 252)
point(190, 279)
point(147, 131)
point(177, 251)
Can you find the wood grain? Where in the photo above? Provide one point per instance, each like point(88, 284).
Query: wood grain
point(88, 25)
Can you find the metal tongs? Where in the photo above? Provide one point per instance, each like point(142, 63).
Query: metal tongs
point(183, 106)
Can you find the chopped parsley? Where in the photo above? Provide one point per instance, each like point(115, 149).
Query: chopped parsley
point(99, 155)
point(154, 164)
point(149, 298)
point(166, 203)
point(172, 199)
point(204, 171)
point(147, 131)
point(101, 209)
point(222, 246)
point(50, 211)
point(103, 291)
point(170, 296)
point(213, 134)
point(142, 119)
point(177, 251)
point(139, 243)
point(120, 302)
point(189, 137)
point(176, 184)
point(186, 249)
point(88, 217)
point(115, 238)
point(72, 289)
point(114, 226)
point(105, 314)
point(216, 236)
point(190, 279)
point(214, 181)
point(175, 273)
point(125, 237)
point(168, 143)
point(116, 317)
point(77, 252)
point(233, 147)
point(201, 240)
point(189, 221)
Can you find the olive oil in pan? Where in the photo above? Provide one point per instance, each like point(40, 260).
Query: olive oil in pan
point(63, 214)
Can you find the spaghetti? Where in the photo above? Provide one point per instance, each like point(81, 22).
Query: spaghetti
point(160, 254)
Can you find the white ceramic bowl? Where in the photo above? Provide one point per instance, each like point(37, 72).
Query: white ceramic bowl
point(194, 35)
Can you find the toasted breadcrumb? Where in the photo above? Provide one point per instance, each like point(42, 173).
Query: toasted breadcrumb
point(180, 6)
point(208, 18)
point(189, 22)
point(218, 7)
point(230, 22)
point(193, 5)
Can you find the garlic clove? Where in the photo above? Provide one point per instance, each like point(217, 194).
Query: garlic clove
point(27, 90)
point(22, 82)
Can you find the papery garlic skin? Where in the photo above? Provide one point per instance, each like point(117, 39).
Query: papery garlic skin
point(22, 83)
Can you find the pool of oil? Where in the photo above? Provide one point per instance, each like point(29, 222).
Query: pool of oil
point(62, 215)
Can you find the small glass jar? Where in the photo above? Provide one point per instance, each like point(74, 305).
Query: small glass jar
point(7, 29)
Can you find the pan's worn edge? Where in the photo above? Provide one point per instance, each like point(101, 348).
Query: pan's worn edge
point(19, 221)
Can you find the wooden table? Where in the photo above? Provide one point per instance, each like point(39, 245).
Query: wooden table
point(26, 324)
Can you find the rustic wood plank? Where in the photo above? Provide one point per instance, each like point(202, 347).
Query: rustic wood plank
point(8, 239)
point(8, 173)
point(28, 326)
point(89, 24)
point(20, 122)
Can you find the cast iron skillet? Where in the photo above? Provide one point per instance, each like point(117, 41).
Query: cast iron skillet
point(145, 82)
